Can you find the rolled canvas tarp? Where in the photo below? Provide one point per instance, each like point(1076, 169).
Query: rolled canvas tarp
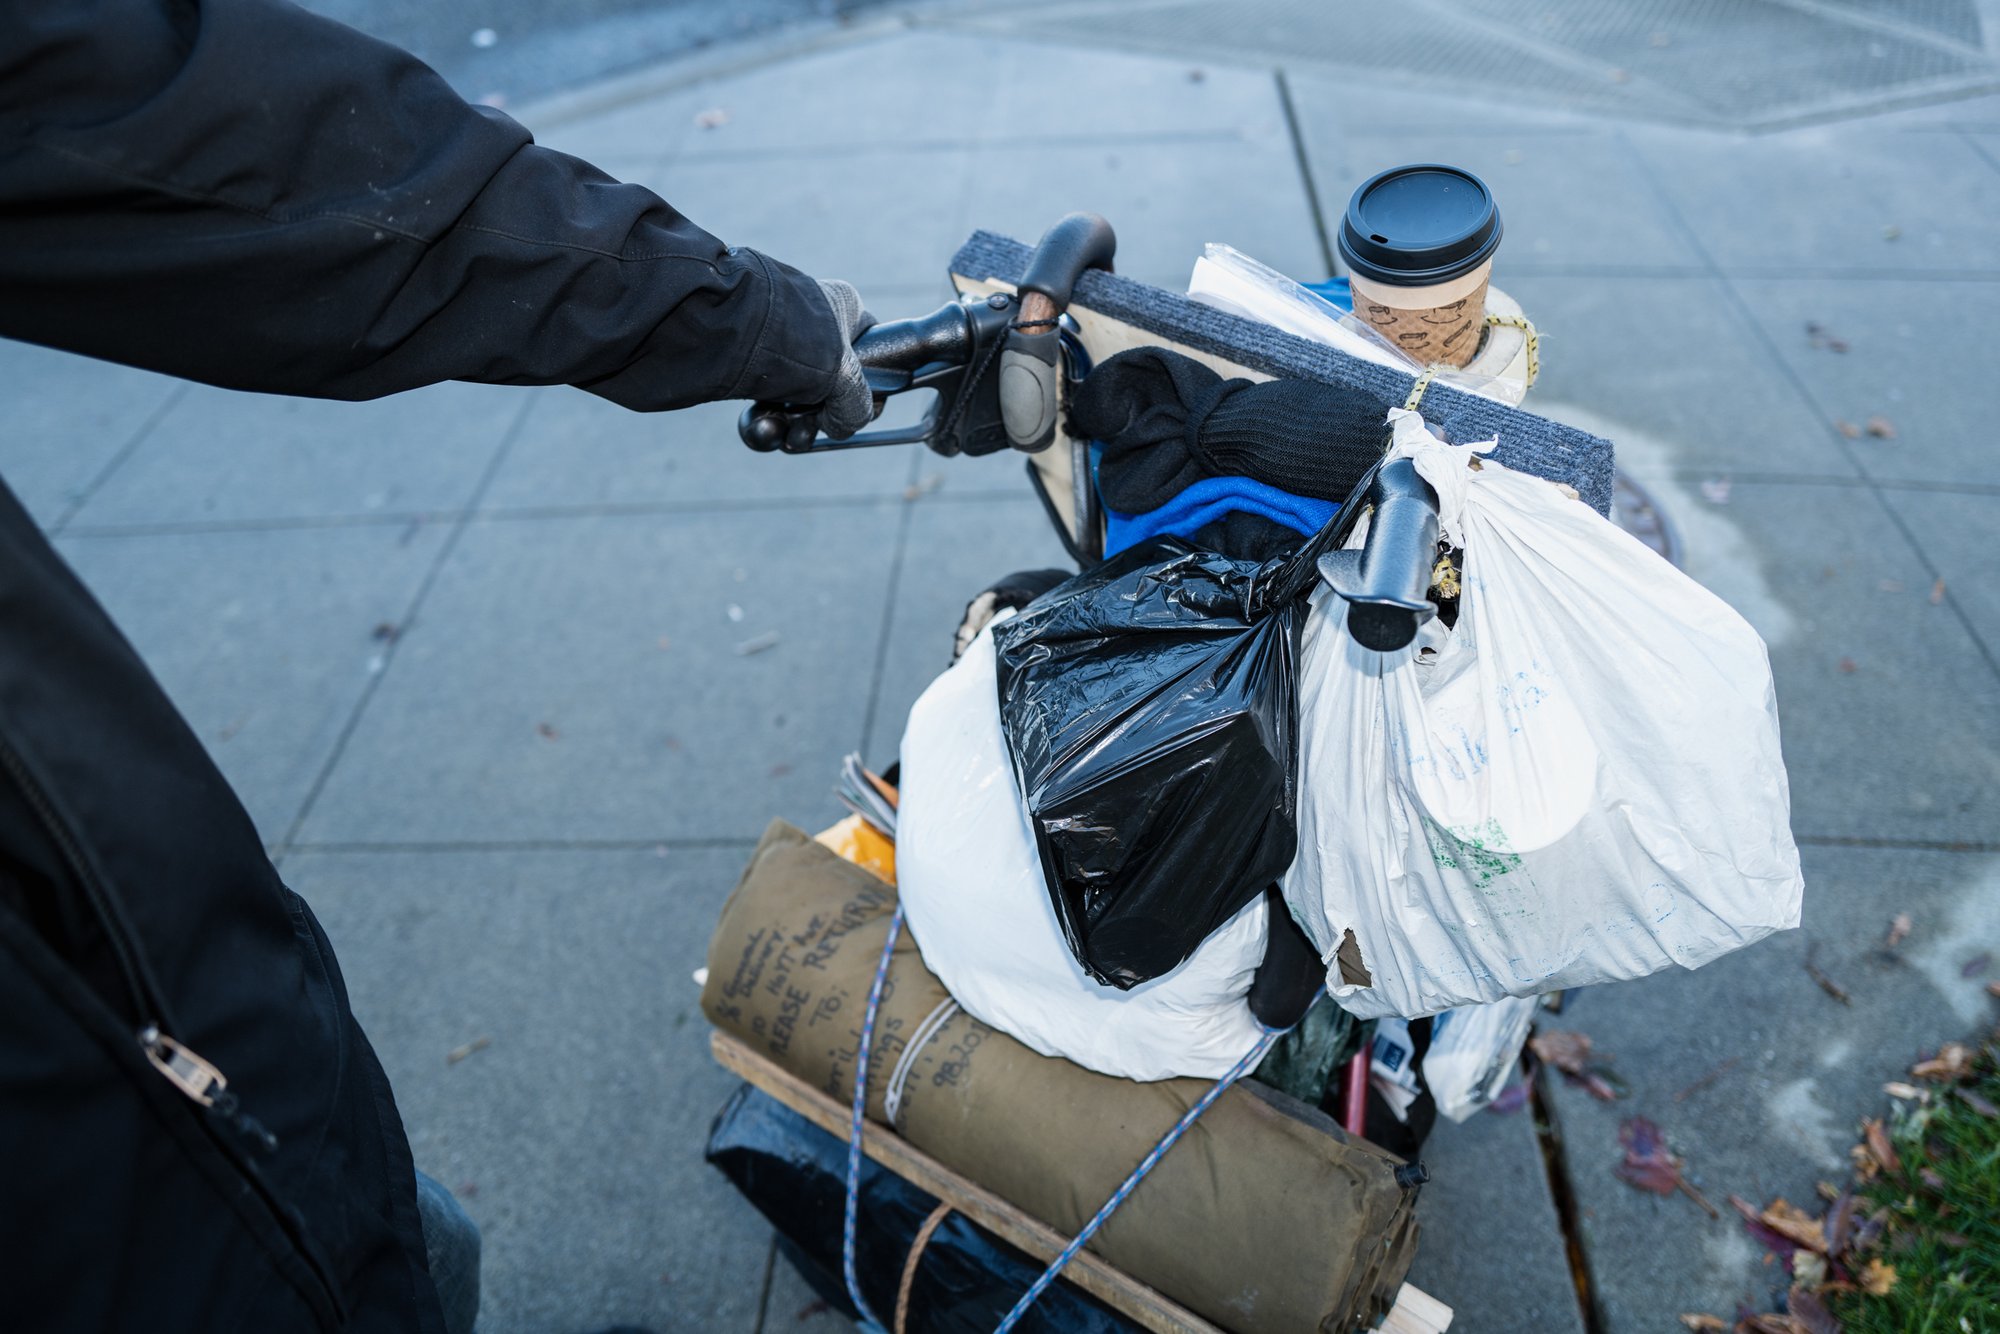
point(1265, 1218)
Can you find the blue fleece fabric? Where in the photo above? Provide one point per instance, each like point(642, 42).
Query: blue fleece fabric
point(1335, 290)
point(1210, 499)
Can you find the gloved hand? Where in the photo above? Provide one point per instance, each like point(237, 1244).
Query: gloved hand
point(850, 406)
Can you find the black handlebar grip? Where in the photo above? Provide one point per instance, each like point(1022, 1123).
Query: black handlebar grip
point(907, 345)
point(1078, 242)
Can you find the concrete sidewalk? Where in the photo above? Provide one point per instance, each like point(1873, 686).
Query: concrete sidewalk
point(472, 654)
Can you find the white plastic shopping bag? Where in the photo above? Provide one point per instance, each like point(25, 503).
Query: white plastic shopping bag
point(1580, 782)
point(972, 890)
point(1474, 1051)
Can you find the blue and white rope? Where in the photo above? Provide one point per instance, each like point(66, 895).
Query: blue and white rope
point(850, 1223)
point(1131, 1183)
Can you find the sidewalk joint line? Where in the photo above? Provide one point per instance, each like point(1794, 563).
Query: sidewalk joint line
point(496, 514)
point(764, 1292)
point(202, 527)
point(1975, 845)
point(436, 846)
point(888, 615)
point(1305, 169)
point(1548, 1139)
point(1858, 482)
point(408, 618)
point(1971, 140)
point(849, 149)
point(118, 458)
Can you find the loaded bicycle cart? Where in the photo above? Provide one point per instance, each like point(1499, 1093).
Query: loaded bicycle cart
point(1060, 1030)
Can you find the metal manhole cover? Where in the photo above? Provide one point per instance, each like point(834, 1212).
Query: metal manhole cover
point(1634, 510)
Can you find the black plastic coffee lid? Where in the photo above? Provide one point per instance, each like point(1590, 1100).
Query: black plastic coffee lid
point(1418, 225)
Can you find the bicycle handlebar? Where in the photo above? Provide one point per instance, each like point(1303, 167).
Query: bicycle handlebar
point(993, 363)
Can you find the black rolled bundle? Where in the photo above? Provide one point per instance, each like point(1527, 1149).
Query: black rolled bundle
point(1166, 421)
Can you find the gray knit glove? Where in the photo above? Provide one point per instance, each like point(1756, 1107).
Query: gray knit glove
point(850, 406)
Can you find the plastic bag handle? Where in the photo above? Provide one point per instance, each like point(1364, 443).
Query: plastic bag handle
point(1286, 579)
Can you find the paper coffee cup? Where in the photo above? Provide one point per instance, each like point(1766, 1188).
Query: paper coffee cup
point(1419, 242)
point(1440, 323)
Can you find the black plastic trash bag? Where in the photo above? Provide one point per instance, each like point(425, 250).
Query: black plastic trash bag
point(1151, 712)
point(966, 1280)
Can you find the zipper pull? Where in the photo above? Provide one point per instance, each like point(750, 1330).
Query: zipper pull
point(204, 1084)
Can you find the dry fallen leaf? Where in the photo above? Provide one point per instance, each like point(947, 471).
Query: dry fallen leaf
point(1769, 1324)
point(1878, 1278)
point(1881, 428)
point(1898, 929)
point(1571, 1053)
point(457, 1054)
point(1937, 592)
point(1649, 1166)
point(1984, 1106)
point(1567, 1052)
point(1953, 1061)
point(1848, 429)
point(1813, 970)
point(1704, 1322)
point(1794, 1224)
point(1895, 1088)
point(1809, 1312)
point(1879, 1147)
point(1707, 1079)
point(1775, 1242)
point(1840, 1224)
point(1993, 990)
point(1848, 666)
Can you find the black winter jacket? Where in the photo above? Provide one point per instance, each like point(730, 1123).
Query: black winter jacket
point(239, 192)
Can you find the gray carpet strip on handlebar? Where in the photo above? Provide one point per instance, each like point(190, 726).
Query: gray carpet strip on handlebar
point(1527, 443)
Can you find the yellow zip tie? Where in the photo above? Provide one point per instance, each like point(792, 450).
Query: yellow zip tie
point(1534, 341)
point(1423, 383)
point(1492, 321)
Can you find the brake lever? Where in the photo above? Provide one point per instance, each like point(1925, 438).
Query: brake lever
point(947, 351)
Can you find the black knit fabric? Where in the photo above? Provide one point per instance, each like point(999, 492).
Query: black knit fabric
point(1166, 421)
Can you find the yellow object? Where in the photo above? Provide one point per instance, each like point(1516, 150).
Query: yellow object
point(857, 841)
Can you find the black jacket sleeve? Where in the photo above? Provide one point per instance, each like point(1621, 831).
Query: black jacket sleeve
point(240, 192)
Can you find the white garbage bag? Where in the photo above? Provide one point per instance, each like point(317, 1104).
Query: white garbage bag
point(1580, 782)
point(973, 893)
